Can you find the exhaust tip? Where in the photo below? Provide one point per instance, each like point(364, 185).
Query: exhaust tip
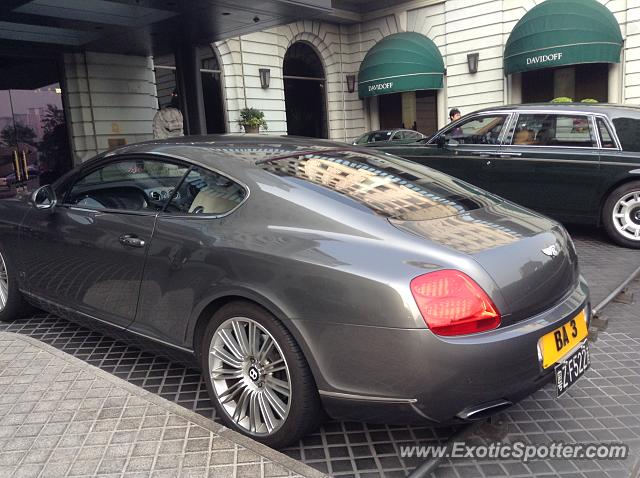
point(484, 410)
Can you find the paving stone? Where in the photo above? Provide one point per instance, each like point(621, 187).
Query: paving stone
point(73, 435)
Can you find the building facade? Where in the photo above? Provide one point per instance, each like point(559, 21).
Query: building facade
point(463, 32)
point(322, 68)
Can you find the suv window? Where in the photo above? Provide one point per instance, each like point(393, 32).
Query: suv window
point(628, 130)
point(553, 130)
point(131, 185)
point(206, 192)
point(478, 130)
point(605, 135)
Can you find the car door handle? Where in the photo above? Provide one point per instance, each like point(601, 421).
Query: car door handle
point(131, 241)
point(510, 155)
point(484, 154)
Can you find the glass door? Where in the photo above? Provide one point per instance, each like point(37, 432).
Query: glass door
point(34, 144)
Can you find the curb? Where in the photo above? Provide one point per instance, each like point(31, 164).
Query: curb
point(235, 437)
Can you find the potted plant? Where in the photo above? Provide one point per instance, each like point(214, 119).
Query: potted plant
point(252, 119)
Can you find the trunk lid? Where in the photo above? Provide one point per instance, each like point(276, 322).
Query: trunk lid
point(530, 258)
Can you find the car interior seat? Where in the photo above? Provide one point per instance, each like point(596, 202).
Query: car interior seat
point(211, 200)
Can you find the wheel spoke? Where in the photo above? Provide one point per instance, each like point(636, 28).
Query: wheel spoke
point(275, 403)
point(4, 284)
point(253, 338)
point(231, 392)
point(275, 366)
point(254, 413)
point(238, 331)
point(226, 374)
point(265, 349)
point(278, 385)
point(226, 358)
point(242, 405)
point(231, 344)
point(267, 416)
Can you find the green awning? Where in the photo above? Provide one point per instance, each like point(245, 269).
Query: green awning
point(405, 61)
point(563, 32)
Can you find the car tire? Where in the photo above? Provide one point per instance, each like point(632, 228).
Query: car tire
point(250, 396)
point(621, 215)
point(12, 303)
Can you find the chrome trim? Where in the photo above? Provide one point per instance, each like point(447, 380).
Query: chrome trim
point(509, 114)
point(110, 324)
point(594, 127)
point(612, 131)
point(468, 415)
point(366, 398)
point(590, 117)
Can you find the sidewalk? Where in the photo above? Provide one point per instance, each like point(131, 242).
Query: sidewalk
point(62, 417)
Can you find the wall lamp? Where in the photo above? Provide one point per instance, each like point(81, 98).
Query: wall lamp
point(265, 77)
point(472, 62)
point(351, 83)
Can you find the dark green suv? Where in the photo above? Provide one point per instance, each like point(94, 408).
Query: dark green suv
point(578, 162)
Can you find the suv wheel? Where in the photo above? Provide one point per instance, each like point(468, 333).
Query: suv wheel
point(257, 377)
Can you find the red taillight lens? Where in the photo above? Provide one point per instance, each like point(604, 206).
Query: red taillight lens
point(451, 303)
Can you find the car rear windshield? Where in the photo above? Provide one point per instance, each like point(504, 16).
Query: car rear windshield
point(390, 186)
point(628, 130)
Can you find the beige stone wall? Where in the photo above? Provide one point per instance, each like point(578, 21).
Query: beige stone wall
point(109, 97)
point(457, 27)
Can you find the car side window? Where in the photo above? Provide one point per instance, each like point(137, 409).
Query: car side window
point(553, 130)
point(399, 135)
point(606, 140)
point(628, 131)
point(484, 129)
point(131, 185)
point(206, 192)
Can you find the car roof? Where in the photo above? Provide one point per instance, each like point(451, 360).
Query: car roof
point(603, 108)
point(248, 147)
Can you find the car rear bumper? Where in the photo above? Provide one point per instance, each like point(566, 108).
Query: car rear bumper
point(407, 375)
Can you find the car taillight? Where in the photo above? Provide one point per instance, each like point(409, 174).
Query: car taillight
point(451, 303)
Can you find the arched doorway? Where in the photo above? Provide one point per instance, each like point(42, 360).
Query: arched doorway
point(211, 77)
point(304, 92)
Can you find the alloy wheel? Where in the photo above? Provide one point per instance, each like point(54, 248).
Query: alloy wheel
point(626, 215)
point(4, 284)
point(250, 376)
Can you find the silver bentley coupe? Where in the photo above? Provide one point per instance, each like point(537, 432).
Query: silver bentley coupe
point(302, 276)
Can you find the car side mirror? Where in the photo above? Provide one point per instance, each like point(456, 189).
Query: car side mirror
point(44, 198)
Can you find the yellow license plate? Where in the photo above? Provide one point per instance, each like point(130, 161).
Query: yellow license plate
point(557, 343)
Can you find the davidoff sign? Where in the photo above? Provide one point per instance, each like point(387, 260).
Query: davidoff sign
point(381, 86)
point(544, 58)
